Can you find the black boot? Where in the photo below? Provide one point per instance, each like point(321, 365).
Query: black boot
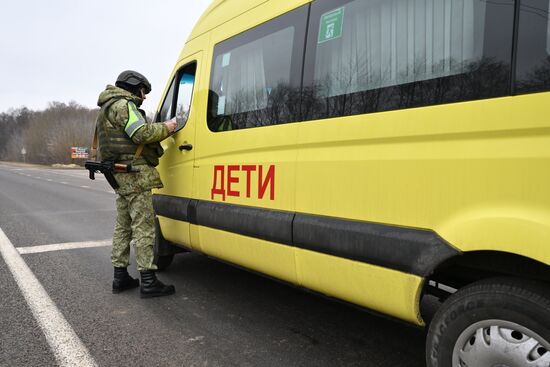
point(152, 287)
point(123, 280)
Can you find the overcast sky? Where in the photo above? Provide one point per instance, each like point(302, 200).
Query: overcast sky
point(64, 50)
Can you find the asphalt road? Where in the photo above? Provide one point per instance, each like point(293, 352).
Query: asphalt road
point(219, 316)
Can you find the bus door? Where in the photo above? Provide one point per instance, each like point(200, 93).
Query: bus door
point(180, 103)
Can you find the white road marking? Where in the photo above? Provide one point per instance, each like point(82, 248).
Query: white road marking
point(64, 343)
point(49, 213)
point(78, 173)
point(62, 246)
point(195, 339)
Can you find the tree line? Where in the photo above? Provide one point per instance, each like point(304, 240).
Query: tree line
point(46, 136)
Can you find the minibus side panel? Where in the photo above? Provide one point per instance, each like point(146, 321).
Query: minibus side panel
point(474, 172)
point(375, 287)
point(253, 167)
point(245, 243)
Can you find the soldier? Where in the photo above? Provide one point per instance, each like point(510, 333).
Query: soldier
point(121, 129)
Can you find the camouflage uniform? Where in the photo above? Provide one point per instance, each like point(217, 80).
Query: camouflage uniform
point(121, 128)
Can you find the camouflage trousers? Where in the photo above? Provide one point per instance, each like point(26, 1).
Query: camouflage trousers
point(134, 223)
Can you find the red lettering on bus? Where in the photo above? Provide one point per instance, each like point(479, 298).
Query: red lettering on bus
point(232, 180)
point(248, 169)
point(269, 180)
point(215, 190)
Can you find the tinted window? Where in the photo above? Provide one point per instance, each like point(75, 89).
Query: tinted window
point(533, 60)
point(256, 75)
point(368, 56)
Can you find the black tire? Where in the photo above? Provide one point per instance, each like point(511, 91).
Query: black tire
point(493, 302)
point(164, 262)
point(162, 258)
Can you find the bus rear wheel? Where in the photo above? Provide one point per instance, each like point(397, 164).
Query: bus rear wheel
point(164, 261)
point(492, 323)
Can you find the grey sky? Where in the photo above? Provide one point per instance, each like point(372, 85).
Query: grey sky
point(63, 50)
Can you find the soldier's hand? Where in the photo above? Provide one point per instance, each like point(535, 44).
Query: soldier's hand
point(171, 125)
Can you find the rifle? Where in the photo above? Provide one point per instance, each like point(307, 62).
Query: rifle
point(108, 168)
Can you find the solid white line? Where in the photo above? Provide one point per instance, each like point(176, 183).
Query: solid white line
point(64, 343)
point(62, 246)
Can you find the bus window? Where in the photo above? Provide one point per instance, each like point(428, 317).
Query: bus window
point(166, 109)
point(185, 94)
point(533, 55)
point(181, 89)
point(368, 56)
point(256, 75)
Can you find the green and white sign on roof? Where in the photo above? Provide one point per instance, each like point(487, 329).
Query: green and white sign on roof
point(331, 25)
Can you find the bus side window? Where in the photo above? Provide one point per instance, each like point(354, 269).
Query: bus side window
point(178, 99)
point(379, 55)
point(533, 54)
point(256, 75)
point(184, 94)
point(166, 109)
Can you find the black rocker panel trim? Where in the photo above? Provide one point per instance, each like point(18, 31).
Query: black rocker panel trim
point(192, 212)
point(265, 224)
point(411, 250)
point(172, 207)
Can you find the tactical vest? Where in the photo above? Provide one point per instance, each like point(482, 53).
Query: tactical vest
point(115, 145)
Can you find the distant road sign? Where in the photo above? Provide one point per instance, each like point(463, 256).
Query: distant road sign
point(80, 152)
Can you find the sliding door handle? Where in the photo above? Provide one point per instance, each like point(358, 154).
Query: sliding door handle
point(186, 147)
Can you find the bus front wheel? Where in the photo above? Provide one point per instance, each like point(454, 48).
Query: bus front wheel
point(494, 322)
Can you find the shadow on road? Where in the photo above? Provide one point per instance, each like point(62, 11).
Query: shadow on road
point(306, 328)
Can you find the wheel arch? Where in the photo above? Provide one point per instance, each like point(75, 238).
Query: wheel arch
point(469, 267)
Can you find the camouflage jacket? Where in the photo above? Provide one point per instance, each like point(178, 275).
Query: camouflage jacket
point(121, 112)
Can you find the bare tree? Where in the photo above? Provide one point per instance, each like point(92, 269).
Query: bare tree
point(47, 136)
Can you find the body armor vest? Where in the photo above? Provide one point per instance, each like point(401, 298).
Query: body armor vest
point(115, 145)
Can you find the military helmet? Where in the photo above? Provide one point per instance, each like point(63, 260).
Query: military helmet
point(133, 79)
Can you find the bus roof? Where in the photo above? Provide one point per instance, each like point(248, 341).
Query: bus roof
point(221, 11)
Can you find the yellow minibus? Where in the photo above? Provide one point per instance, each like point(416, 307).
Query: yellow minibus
point(374, 151)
